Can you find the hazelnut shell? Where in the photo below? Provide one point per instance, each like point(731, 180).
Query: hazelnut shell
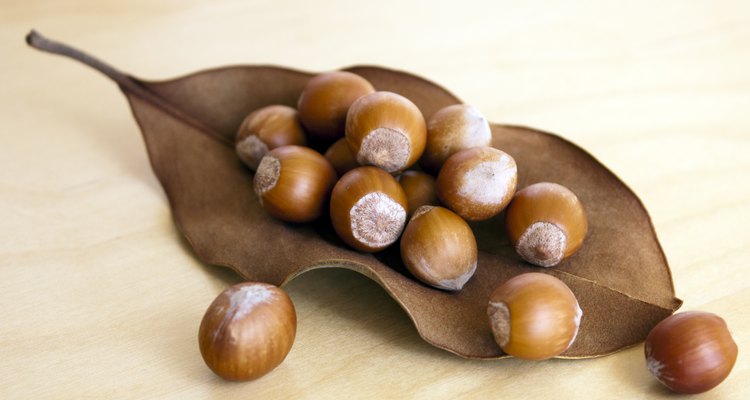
point(386, 130)
point(477, 183)
point(419, 188)
point(293, 183)
point(534, 316)
point(690, 352)
point(326, 99)
point(439, 248)
point(247, 331)
point(340, 156)
point(265, 129)
point(546, 223)
point(451, 129)
point(368, 209)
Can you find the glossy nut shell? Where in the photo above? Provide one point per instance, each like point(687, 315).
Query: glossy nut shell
point(293, 183)
point(451, 129)
point(419, 188)
point(386, 130)
point(439, 248)
point(546, 223)
point(326, 99)
point(340, 156)
point(477, 183)
point(690, 352)
point(534, 316)
point(265, 129)
point(368, 209)
point(247, 331)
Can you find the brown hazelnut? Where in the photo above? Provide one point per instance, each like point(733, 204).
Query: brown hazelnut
point(438, 248)
point(265, 129)
point(326, 99)
point(534, 316)
point(545, 223)
point(451, 129)
point(247, 331)
point(341, 157)
point(368, 209)
point(690, 352)
point(419, 188)
point(386, 130)
point(477, 183)
point(293, 183)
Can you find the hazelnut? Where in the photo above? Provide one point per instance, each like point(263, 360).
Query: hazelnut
point(534, 316)
point(419, 188)
point(545, 223)
point(477, 183)
point(690, 352)
point(325, 101)
point(386, 130)
point(293, 183)
point(265, 129)
point(368, 209)
point(451, 129)
point(340, 156)
point(247, 331)
point(438, 248)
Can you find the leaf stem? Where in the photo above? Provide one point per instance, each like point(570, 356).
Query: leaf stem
point(38, 41)
point(126, 82)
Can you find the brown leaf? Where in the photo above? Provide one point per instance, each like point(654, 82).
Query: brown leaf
point(620, 276)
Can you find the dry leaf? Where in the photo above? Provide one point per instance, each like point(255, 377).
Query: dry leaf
point(620, 276)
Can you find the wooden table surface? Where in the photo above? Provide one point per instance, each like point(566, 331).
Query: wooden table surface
point(100, 297)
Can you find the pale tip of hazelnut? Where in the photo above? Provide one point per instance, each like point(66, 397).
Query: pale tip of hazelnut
point(458, 282)
point(657, 368)
point(489, 181)
point(577, 321)
point(478, 127)
point(241, 303)
point(267, 175)
point(377, 220)
point(251, 150)
point(542, 244)
point(385, 148)
point(420, 211)
point(499, 322)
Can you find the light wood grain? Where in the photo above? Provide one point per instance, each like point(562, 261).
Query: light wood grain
point(100, 298)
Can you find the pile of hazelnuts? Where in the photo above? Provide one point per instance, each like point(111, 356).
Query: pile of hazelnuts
point(368, 182)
